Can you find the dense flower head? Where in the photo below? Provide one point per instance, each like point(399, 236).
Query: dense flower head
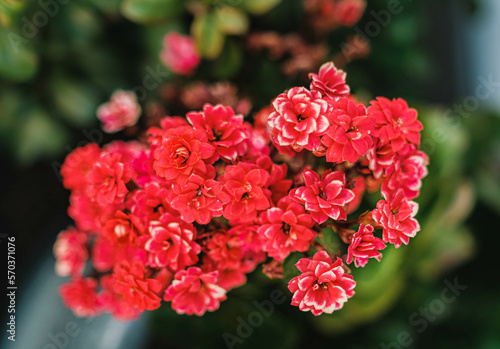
point(195, 292)
point(71, 252)
point(286, 228)
point(323, 197)
point(180, 54)
point(322, 286)
point(132, 283)
point(396, 124)
point(120, 112)
point(330, 81)
point(364, 245)
point(170, 243)
point(349, 134)
point(224, 129)
point(396, 216)
point(196, 202)
point(299, 118)
point(182, 151)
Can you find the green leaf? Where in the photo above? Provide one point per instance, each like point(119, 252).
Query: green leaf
point(229, 62)
point(18, 60)
point(75, 101)
point(39, 136)
point(259, 7)
point(9, 9)
point(151, 11)
point(232, 21)
point(209, 39)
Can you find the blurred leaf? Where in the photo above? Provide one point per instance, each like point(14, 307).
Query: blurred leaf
point(209, 39)
point(9, 9)
point(232, 21)
point(259, 7)
point(18, 60)
point(229, 62)
point(151, 11)
point(75, 101)
point(39, 136)
point(108, 6)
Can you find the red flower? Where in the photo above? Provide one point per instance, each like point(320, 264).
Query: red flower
point(195, 292)
point(108, 179)
point(80, 295)
point(224, 129)
point(358, 186)
point(182, 151)
point(123, 229)
point(348, 137)
point(348, 12)
point(200, 199)
point(121, 111)
point(170, 243)
point(323, 197)
point(396, 218)
point(180, 54)
point(71, 253)
point(406, 173)
point(299, 119)
point(363, 246)
point(131, 282)
point(114, 303)
point(245, 185)
point(396, 123)
point(150, 202)
point(77, 166)
point(285, 229)
point(330, 81)
point(323, 286)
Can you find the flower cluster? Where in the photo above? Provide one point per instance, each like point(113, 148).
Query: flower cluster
point(185, 214)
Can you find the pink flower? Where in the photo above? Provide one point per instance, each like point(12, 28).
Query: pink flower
point(349, 135)
point(195, 292)
point(180, 54)
point(224, 129)
point(170, 243)
point(330, 82)
point(120, 112)
point(123, 229)
point(114, 303)
point(363, 246)
point(323, 286)
point(406, 172)
point(108, 179)
point(245, 185)
point(299, 119)
point(133, 284)
point(200, 199)
point(225, 251)
point(80, 295)
point(77, 166)
point(396, 218)
point(182, 151)
point(348, 12)
point(396, 123)
point(358, 186)
point(71, 253)
point(323, 197)
point(285, 229)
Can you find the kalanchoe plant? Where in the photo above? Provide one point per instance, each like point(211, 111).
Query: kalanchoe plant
point(185, 214)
